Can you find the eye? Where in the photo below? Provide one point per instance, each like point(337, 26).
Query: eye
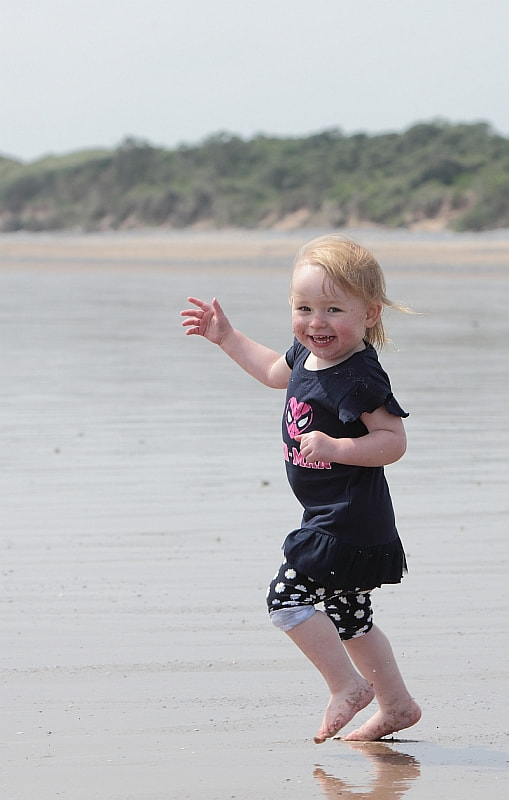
point(303, 308)
point(333, 309)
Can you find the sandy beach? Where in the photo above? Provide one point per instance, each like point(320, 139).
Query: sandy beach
point(144, 502)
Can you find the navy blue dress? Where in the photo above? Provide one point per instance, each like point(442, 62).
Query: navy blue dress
point(348, 537)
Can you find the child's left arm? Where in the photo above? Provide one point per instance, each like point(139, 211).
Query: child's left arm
point(384, 443)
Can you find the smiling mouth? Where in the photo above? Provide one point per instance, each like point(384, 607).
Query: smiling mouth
point(322, 339)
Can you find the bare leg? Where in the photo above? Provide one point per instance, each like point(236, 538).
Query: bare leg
point(318, 639)
point(372, 655)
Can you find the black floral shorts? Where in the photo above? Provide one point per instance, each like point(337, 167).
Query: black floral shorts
point(350, 611)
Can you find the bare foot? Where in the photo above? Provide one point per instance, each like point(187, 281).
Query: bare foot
point(383, 723)
point(341, 708)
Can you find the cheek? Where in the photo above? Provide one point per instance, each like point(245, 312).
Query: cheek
point(299, 332)
point(354, 321)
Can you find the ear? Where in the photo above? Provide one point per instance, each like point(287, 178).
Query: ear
point(373, 314)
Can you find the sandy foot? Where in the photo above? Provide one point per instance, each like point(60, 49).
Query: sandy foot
point(340, 710)
point(384, 723)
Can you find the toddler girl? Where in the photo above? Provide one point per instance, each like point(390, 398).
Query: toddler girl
point(341, 426)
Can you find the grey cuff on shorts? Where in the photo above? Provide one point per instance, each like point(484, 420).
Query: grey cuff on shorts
point(288, 618)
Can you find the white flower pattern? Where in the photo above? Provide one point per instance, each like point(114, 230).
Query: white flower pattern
point(350, 611)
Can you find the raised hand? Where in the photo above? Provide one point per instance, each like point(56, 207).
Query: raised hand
point(207, 320)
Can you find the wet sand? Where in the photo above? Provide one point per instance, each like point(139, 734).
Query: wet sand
point(143, 505)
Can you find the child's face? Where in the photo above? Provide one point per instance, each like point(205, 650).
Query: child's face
point(331, 323)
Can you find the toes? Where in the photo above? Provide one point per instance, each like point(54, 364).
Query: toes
point(354, 736)
point(320, 737)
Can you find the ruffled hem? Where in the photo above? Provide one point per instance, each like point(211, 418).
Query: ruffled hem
point(342, 565)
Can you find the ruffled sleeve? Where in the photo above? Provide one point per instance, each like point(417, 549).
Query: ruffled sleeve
point(367, 390)
point(290, 354)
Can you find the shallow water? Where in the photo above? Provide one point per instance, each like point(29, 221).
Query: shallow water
point(143, 504)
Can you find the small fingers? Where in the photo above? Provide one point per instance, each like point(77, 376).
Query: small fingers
point(200, 303)
point(190, 321)
point(192, 312)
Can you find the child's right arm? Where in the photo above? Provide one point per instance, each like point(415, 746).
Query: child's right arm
point(209, 320)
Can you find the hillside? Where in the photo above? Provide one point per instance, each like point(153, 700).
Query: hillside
point(432, 175)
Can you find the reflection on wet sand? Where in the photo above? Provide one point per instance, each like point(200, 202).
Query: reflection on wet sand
point(394, 774)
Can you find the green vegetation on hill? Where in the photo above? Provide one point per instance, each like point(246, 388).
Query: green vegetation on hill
point(450, 175)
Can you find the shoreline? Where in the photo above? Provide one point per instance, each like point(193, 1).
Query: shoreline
point(170, 249)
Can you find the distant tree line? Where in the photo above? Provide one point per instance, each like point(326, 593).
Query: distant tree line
point(456, 175)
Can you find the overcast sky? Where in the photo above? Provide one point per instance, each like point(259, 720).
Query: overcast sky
point(77, 74)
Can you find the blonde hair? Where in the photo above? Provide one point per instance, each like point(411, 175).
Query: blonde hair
point(355, 270)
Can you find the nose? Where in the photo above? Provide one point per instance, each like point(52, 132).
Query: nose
point(317, 320)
